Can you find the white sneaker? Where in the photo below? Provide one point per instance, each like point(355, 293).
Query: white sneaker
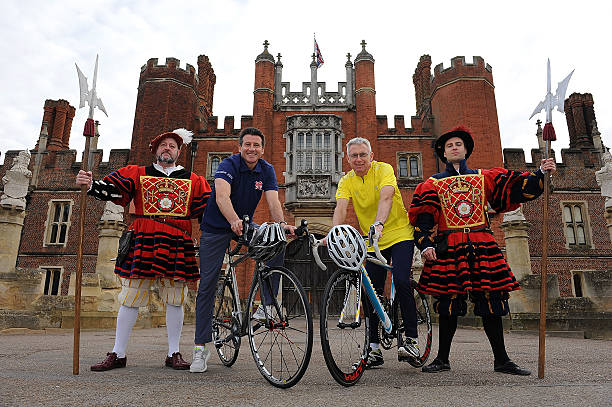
point(260, 314)
point(200, 358)
point(409, 349)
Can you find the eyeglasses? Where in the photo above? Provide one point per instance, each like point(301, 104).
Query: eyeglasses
point(360, 155)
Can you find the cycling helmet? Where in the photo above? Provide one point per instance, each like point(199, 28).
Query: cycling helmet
point(346, 247)
point(267, 242)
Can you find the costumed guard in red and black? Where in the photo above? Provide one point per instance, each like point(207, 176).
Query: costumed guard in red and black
point(463, 260)
point(158, 244)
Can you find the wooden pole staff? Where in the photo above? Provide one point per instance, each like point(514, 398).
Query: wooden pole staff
point(88, 133)
point(543, 273)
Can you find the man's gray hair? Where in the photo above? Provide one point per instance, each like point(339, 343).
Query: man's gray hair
point(358, 140)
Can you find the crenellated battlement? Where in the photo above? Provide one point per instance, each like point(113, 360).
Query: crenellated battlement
point(152, 70)
point(461, 69)
point(399, 126)
point(575, 170)
point(213, 129)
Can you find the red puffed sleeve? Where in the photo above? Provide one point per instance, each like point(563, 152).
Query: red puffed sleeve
point(118, 187)
point(507, 189)
point(201, 192)
point(424, 213)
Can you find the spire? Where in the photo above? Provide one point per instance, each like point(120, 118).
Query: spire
point(278, 62)
point(265, 55)
point(364, 55)
point(313, 64)
point(348, 64)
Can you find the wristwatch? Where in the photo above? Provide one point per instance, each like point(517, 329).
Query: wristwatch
point(379, 223)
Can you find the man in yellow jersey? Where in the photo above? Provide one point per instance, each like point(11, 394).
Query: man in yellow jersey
point(377, 201)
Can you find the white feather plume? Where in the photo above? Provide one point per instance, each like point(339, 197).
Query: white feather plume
point(185, 134)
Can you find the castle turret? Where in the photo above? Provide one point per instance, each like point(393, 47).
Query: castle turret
point(263, 96)
point(167, 99)
point(464, 94)
point(365, 95)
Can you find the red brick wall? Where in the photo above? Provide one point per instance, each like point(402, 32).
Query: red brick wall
point(167, 99)
point(573, 182)
point(464, 95)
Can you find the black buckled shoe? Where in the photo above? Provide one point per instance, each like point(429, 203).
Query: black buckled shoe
point(510, 368)
point(436, 366)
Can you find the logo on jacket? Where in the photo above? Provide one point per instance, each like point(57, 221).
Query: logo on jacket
point(259, 185)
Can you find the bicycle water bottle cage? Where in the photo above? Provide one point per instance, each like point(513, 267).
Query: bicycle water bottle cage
point(346, 247)
point(267, 242)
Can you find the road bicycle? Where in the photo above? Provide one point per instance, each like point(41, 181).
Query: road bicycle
point(280, 338)
point(344, 324)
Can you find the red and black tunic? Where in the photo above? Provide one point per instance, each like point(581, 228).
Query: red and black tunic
point(457, 203)
point(162, 206)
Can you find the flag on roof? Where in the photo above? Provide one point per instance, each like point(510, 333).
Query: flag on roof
point(318, 55)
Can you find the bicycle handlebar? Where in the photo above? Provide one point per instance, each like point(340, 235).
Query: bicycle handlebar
point(373, 238)
point(313, 242)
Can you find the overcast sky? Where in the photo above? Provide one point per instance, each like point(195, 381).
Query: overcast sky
point(42, 40)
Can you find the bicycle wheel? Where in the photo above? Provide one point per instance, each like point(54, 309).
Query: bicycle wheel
point(225, 325)
point(423, 326)
point(281, 336)
point(344, 327)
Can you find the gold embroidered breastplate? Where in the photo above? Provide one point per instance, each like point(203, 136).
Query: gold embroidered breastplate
point(462, 199)
point(165, 196)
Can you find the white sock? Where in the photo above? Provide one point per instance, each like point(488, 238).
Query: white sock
point(126, 318)
point(174, 325)
point(374, 346)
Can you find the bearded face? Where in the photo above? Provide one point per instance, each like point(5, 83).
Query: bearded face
point(167, 151)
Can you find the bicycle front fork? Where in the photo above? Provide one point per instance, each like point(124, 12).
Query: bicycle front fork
point(378, 308)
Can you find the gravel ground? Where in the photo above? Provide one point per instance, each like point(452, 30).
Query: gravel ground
point(36, 369)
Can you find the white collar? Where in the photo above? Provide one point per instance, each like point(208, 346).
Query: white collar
point(168, 170)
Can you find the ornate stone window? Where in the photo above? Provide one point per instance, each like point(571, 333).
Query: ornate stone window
point(58, 223)
point(214, 159)
point(576, 225)
point(313, 156)
point(409, 166)
point(52, 280)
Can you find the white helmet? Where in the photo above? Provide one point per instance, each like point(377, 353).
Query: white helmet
point(346, 247)
point(267, 242)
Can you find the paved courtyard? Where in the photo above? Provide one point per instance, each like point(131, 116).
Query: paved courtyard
point(36, 369)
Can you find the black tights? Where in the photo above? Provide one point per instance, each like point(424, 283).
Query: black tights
point(493, 328)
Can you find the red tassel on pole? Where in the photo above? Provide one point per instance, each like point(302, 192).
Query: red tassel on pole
point(88, 131)
point(549, 132)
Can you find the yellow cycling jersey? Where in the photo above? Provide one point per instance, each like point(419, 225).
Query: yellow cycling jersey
point(365, 193)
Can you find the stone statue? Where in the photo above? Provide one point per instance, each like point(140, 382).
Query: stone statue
point(16, 181)
point(514, 215)
point(604, 178)
point(112, 212)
